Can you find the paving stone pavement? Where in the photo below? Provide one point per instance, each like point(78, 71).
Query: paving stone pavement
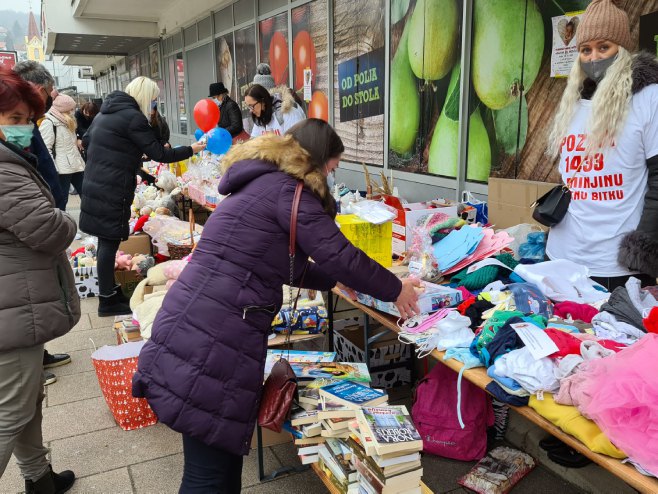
point(83, 437)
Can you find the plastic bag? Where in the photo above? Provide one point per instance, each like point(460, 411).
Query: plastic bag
point(374, 212)
point(499, 471)
point(481, 207)
point(422, 262)
point(520, 235)
point(534, 248)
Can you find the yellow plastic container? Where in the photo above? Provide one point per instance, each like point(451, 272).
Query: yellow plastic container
point(374, 240)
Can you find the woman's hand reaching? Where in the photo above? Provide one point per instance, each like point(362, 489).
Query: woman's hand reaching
point(407, 302)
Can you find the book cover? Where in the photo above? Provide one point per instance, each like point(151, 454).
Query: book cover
point(303, 417)
point(391, 429)
point(329, 410)
point(343, 371)
point(311, 393)
point(352, 394)
point(297, 356)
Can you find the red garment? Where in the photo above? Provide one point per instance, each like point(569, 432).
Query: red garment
point(466, 304)
point(465, 293)
point(612, 345)
point(651, 322)
point(566, 343)
point(578, 312)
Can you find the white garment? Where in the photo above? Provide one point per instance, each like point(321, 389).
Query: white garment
point(607, 327)
point(67, 156)
point(608, 195)
point(643, 301)
point(561, 281)
point(533, 375)
point(452, 331)
point(294, 115)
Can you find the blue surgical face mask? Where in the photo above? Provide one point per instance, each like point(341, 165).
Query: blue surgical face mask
point(18, 135)
point(331, 180)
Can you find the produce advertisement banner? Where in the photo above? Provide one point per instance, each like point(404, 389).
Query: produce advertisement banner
point(359, 29)
point(274, 46)
point(564, 50)
point(310, 55)
point(361, 86)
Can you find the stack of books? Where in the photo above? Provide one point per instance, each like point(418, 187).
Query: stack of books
point(386, 451)
point(306, 430)
point(127, 329)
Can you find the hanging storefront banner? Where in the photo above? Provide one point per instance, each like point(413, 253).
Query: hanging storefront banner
point(564, 50)
point(361, 86)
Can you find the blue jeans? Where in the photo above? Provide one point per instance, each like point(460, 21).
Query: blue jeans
point(209, 470)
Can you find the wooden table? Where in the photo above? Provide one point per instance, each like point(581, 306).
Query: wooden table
point(478, 376)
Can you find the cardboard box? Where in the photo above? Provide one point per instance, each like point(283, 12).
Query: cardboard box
point(86, 281)
point(128, 281)
point(387, 350)
point(271, 438)
point(510, 201)
point(407, 220)
point(137, 244)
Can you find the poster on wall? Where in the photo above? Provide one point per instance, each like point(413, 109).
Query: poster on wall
point(245, 68)
point(519, 130)
point(359, 29)
point(134, 66)
point(424, 115)
point(8, 59)
point(225, 67)
point(564, 50)
point(310, 57)
point(154, 61)
point(361, 86)
point(274, 46)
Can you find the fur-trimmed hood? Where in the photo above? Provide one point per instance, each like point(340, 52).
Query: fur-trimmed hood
point(645, 71)
point(283, 96)
point(251, 159)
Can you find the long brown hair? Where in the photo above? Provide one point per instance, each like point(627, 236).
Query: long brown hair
point(263, 96)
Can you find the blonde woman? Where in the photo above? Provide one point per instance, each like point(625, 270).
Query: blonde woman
point(606, 135)
point(58, 132)
point(115, 142)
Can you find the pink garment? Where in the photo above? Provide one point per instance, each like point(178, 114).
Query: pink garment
point(572, 390)
point(622, 393)
point(578, 312)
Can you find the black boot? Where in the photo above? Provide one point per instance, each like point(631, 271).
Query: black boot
point(51, 483)
point(122, 297)
point(55, 359)
point(111, 305)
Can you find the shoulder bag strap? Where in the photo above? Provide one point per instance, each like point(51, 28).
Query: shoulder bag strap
point(291, 255)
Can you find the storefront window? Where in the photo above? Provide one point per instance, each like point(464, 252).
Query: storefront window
point(180, 84)
point(309, 52)
point(245, 68)
point(225, 66)
point(273, 41)
point(359, 36)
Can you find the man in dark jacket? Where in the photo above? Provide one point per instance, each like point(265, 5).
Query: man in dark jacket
point(230, 116)
point(37, 74)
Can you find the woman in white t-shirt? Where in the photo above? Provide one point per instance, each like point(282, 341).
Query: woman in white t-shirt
point(606, 135)
point(272, 113)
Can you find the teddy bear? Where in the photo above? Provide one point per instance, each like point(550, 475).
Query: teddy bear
point(142, 263)
point(122, 261)
point(169, 189)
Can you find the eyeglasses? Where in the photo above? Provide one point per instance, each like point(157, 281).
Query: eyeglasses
point(251, 107)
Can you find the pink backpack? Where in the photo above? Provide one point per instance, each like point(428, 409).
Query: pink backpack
point(452, 425)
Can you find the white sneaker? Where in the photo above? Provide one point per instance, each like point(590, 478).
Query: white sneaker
point(78, 236)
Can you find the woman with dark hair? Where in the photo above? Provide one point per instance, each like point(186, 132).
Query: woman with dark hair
point(84, 116)
point(202, 369)
point(159, 125)
point(39, 300)
point(272, 113)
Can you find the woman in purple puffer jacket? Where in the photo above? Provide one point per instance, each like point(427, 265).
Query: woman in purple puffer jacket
point(202, 370)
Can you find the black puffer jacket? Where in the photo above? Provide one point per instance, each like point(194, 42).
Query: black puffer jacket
point(115, 142)
point(230, 117)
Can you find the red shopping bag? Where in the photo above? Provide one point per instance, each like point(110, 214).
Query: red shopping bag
point(115, 367)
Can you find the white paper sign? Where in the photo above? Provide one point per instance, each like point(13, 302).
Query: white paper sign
point(538, 342)
point(564, 50)
point(308, 76)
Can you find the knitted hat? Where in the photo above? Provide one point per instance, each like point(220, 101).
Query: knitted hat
point(64, 103)
point(264, 76)
point(604, 20)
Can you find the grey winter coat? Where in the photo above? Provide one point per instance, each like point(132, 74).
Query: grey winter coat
point(38, 299)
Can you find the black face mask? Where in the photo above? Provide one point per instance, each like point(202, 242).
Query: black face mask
point(49, 102)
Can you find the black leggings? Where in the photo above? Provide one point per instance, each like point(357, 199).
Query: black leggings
point(107, 251)
point(209, 470)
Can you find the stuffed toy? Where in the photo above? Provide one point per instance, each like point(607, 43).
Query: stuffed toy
point(145, 211)
point(75, 253)
point(139, 224)
point(142, 263)
point(122, 261)
point(168, 186)
point(163, 211)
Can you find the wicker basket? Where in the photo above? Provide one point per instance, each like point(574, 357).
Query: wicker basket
point(178, 251)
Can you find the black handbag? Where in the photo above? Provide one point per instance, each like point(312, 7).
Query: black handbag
point(551, 208)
